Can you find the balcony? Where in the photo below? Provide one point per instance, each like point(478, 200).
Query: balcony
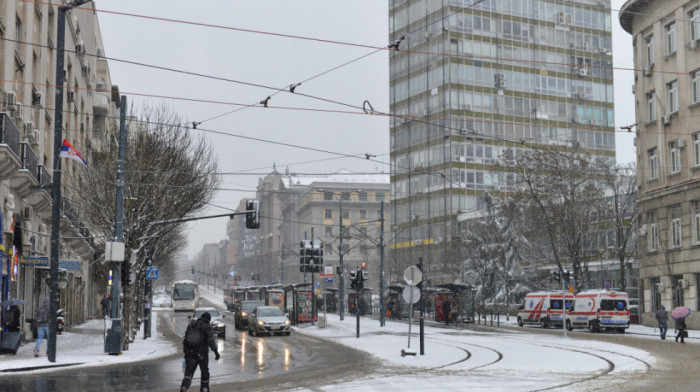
point(44, 177)
point(9, 146)
point(29, 161)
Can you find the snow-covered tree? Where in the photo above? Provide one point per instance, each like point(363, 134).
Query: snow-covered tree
point(170, 174)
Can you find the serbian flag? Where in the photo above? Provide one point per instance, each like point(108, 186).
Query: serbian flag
point(68, 151)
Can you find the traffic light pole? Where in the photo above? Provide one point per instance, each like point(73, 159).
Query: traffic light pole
point(358, 293)
point(341, 276)
point(382, 284)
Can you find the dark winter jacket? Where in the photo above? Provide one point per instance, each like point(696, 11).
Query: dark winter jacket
point(661, 314)
point(201, 332)
point(680, 324)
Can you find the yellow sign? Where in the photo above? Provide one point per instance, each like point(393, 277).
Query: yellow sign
point(571, 288)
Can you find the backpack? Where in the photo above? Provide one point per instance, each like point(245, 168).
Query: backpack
point(9, 318)
point(193, 337)
point(43, 316)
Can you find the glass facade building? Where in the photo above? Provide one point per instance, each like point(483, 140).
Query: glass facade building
point(475, 83)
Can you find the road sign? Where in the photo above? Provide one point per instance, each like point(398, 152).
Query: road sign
point(607, 285)
point(407, 294)
point(412, 275)
point(151, 273)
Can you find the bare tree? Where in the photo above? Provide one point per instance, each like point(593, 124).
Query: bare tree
point(560, 190)
point(170, 174)
point(620, 203)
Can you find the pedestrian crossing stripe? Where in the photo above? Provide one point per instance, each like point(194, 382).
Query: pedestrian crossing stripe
point(152, 273)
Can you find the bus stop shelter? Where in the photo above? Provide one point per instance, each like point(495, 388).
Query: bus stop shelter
point(298, 304)
point(464, 295)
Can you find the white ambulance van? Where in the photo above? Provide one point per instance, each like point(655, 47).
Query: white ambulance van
point(599, 309)
point(544, 308)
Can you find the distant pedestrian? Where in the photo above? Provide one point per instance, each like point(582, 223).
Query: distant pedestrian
point(12, 318)
point(680, 327)
point(662, 318)
point(453, 309)
point(198, 339)
point(446, 310)
point(42, 327)
point(105, 306)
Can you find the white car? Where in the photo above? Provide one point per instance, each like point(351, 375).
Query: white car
point(270, 320)
point(217, 320)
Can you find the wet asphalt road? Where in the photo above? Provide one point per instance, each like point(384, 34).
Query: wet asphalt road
point(247, 363)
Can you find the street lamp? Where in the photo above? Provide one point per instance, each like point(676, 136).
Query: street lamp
point(56, 186)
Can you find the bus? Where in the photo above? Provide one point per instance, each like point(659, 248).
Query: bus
point(185, 295)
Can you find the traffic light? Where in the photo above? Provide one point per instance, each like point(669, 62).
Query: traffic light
point(365, 273)
point(305, 252)
point(556, 276)
point(317, 252)
point(353, 279)
point(126, 271)
point(567, 275)
point(252, 216)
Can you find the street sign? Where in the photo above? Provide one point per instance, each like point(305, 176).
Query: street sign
point(407, 294)
point(607, 285)
point(412, 275)
point(151, 273)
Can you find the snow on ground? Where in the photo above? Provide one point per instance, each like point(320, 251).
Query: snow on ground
point(83, 346)
point(455, 358)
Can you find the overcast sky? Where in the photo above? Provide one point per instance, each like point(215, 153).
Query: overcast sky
point(277, 61)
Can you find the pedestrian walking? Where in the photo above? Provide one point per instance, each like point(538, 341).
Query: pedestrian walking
point(198, 339)
point(446, 309)
point(662, 318)
point(680, 327)
point(105, 306)
point(12, 319)
point(42, 327)
point(453, 310)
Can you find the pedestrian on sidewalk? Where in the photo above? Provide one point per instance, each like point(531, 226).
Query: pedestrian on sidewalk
point(198, 339)
point(42, 327)
point(662, 318)
point(105, 306)
point(446, 309)
point(12, 319)
point(680, 326)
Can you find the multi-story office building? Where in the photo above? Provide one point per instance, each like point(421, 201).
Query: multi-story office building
point(477, 82)
point(27, 78)
point(666, 39)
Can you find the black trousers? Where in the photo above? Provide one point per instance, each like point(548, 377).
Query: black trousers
point(192, 360)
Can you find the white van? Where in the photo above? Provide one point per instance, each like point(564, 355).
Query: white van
point(597, 309)
point(544, 308)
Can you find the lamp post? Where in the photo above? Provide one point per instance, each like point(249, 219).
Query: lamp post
point(56, 186)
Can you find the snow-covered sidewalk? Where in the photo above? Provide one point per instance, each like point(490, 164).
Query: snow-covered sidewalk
point(83, 346)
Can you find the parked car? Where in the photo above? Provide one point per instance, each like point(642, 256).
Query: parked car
point(270, 320)
point(634, 314)
point(217, 320)
point(245, 308)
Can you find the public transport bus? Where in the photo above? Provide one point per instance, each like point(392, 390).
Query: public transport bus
point(185, 295)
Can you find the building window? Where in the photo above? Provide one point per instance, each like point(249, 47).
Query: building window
point(363, 231)
point(672, 96)
point(696, 149)
point(363, 214)
point(695, 87)
point(650, 50)
point(651, 106)
point(694, 17)
point(675, 157)
point(329, 213)
point(653, 164)
point(327, 195)
point(363, 196)
point(379, 196)
point(346, 249)
point(671, 38)
point(653, 236)
point(345, 196)
point(676, 233)
point(346, 214)
point(329, 231)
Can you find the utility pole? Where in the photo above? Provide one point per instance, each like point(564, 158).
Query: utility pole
point(118, 215)
point(56, 186)
point(382, 284)
point(341, 274)
point(313, 273)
